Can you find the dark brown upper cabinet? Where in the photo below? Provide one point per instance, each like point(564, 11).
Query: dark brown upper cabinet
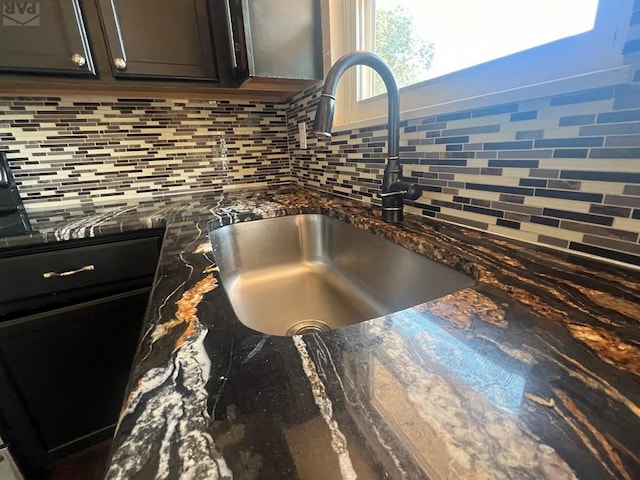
point(265, 48)
point(44, 37)
point(277, 39)
point(158, 39)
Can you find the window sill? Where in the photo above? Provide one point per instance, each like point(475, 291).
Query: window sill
point(602, 78)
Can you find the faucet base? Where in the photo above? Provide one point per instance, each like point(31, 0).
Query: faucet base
point(392, 215)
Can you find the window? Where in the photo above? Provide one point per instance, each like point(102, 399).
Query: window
point(456, 54)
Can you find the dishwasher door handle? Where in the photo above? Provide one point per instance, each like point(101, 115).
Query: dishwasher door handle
point(86, 268)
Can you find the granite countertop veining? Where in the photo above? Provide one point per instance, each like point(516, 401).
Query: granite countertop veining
point(532, 373)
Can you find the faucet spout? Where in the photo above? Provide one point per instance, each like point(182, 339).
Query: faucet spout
point(394, 189)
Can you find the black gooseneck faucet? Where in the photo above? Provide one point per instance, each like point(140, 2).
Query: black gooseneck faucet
point(394, 188)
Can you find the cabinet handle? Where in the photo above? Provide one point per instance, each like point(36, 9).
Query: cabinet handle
point(78, 59)
point(119, 63)
point(86, 268)
point(232, 42)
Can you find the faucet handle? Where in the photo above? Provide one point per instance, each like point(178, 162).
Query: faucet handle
point(408, 191)
point(391, 194)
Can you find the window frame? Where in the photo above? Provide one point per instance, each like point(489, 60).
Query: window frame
point(507, 79)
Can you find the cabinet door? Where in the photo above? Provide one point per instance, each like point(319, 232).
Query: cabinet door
point(45, 37)
point(283, 39)
point(70, 367)
point(158, 38)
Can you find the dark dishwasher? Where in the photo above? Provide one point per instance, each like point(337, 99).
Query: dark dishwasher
point(70, 320)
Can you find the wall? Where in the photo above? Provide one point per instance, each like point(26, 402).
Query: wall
point(561, 171)
point(66, 149)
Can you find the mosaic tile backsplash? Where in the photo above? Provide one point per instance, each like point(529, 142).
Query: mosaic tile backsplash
point(562, 171)
point(70, 148)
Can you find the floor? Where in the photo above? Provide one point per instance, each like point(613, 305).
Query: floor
point(88, 464)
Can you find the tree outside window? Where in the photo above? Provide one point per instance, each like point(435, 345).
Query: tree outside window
point(401, 45)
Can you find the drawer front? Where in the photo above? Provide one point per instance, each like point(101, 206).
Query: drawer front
point(53, 272)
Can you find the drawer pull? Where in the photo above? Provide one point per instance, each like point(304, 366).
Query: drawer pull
point(86, 268)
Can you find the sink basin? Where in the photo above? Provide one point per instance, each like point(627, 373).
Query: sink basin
point(309, 273)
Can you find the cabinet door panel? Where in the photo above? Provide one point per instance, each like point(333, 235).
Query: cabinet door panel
point(44, 37)
point(156, 38)
point(283, 39)
point(70, 366)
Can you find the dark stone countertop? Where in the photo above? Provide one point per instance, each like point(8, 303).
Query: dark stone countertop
point(533, 373)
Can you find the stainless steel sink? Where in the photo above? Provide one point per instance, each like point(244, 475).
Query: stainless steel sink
point(309, 273)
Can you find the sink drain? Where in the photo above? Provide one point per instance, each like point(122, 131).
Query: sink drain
point(308, 326)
